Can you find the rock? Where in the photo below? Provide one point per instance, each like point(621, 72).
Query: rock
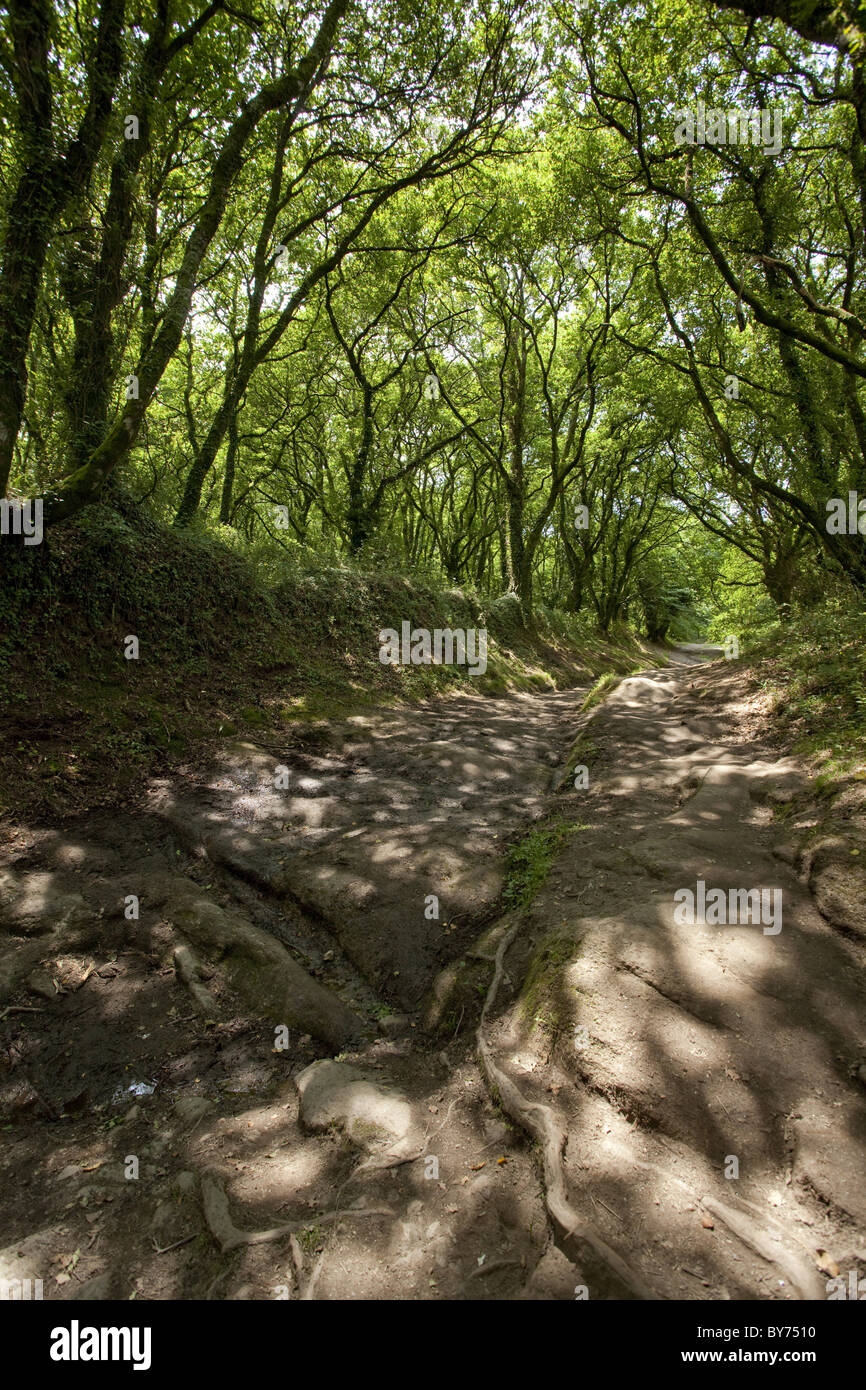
point(255, 964)
point(156, 1148)
point(31, 904)
point(497, 1132)
point(32, 1256)
point(94, 1290)
point(16, 1097)
point(828, 1155)
point(186, 1183)
point(17, 963)
point(36, 906)
point(190, 1109)
point(40, 983)
point(392, 1025)
point(191, 971)
point(778, 785)
point(554, 1277)
point(334, 1093)
point(164, 1214)
point(261, 970)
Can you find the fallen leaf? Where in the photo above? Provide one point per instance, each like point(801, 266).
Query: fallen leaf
point(826, 1263)
point(477, 1166)
point(707, 1223)
point(502, 1160)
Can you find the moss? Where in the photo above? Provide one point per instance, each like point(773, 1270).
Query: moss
point(600, 689)
point(540, 1003)
point(310, 1239)
point(255, 717)
point(529, 861)
point(583, 752)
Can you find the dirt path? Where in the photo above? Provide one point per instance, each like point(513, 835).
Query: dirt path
point(318, 926)
point(706, 1075)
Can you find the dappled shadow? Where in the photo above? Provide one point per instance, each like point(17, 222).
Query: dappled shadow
point(702, 1044)
point(709, 1050)
point(407, 806)
point(406, 786)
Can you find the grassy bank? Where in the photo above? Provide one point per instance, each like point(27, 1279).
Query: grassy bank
point(814, 668)
point(222, 652)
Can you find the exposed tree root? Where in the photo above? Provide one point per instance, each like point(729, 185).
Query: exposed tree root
point(230, 1237)
point(767, 1242)
point(494, 1267)
point(191, 972)
point(539, 1120)
point(377, 1164)
point(763, 1236)
point(164, 1249)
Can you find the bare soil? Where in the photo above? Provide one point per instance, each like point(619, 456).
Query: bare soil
point(536, 1103)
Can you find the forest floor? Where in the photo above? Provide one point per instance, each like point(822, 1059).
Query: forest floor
point(362, 1040)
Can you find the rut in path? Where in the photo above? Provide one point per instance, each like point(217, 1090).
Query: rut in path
point(379, 815)
point(715, 1118)
point(287, 884)
point(695, 1045)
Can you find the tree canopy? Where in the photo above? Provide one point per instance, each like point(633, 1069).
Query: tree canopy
point(560, 301)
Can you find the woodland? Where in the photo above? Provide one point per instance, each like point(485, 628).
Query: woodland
point(446, 288)
point(432, 657)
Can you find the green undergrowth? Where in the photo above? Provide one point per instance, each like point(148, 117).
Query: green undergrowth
point(530, 860)
point(225, 651)
point(600, 690)
point(814, 668)
point(541, 999)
